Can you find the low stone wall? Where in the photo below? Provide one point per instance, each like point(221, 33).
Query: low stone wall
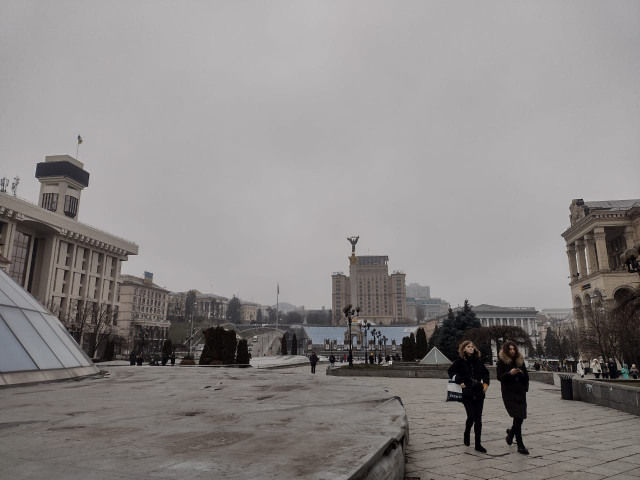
point(408, 370)
point(620, 395)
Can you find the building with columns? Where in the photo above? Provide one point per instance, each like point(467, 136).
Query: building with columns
point(62, 262)
point(381, 297)
point(492, 315)
point(599, 232)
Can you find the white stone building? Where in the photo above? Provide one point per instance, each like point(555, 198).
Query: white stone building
point(142, 317)
point(600, 232)
point(59, 260)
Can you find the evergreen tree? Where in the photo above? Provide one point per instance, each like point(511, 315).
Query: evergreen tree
point(294, 345)
point(219, 347)
point(551, 343)
point(408, 349)
point(234, 310)
point(283, 344)
point(189, 303)
point(242, 358)
point(452, 331)
point(539, 350)
point(422, 345)
point(229, 347)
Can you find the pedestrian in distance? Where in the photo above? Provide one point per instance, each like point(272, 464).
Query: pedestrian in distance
point(473, 377)
point(580, 369)
point(514, 384)
point(595, 367)
point(371, 359)
point(132, 358)
point(633, 371)
point(613, 369)
point(173, 359)
point(314, 360)
point(605, 369)
point(332, 360)
point(625, 371)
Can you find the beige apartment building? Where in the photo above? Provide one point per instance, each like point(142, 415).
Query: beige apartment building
point(59, 260)
point(381, 297)
point(142, 317)
point(600, 232)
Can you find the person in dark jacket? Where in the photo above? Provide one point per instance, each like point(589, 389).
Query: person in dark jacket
point(313, 359)
point(613, 369)
point(514, 382)
point(473, 377)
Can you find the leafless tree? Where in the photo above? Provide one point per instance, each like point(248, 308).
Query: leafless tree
point(627, 318)
point(600, 336)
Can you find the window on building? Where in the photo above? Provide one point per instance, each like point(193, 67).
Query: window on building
point(70, 206)
point(50, 201)
point(19, 257)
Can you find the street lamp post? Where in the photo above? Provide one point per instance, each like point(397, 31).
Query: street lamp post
point(191, 336)
point(378, 335)
point(349, 314)
point(364, 328)
point(384, 339)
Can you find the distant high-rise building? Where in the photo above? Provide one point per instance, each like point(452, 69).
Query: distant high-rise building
point(415, 290)
point(380, 296)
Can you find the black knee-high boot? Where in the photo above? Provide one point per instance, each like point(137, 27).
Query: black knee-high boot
point(518, 434)
point(467, 432)
point(477, 429)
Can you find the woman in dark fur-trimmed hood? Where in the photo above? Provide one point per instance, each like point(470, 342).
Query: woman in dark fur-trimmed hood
point(514, 384)
point(471, 374)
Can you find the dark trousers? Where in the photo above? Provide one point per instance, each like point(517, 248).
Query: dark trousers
point(474, 416)
point(313, 368)
point(516, 430)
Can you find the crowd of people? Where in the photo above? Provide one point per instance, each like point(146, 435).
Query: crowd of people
point(607, 369)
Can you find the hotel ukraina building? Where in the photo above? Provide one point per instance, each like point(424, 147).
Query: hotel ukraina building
point(599, 233)
point(58, 259)
point(381, 297)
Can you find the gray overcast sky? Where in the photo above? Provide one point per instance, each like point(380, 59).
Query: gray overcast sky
point(240, 143)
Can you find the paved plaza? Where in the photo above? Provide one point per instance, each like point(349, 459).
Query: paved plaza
point(566, 439)
point(163, 422)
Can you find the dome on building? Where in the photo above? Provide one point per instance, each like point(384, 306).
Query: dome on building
point(34, 345)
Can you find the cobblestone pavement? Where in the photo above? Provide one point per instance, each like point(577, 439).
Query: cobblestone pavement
point(566, 439)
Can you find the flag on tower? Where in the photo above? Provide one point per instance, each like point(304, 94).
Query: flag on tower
point(79, 139)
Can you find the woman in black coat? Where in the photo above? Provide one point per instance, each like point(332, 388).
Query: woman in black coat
point(514, 381)
point(473, 377)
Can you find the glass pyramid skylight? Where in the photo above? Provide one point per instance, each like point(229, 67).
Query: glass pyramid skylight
point(34, 345)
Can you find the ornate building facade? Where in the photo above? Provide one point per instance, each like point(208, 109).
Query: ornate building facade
point(600, 232)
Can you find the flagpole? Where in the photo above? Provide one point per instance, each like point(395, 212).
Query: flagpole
point(277, 305)
point(78, 146)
